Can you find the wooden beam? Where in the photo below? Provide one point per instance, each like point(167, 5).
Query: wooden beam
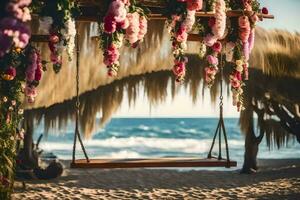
point(39, 38)
point(45, 38)
point(152, 162)
point(157, 16)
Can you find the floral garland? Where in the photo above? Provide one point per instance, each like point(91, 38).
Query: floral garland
point(240, 45)
point(124, 19)
point(58, 21)
point(235, 39)
point(181, 21)
point(33, 73)
point(212, 30)
point(14, 37)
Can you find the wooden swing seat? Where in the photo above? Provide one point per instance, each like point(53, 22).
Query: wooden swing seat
point(152, 163)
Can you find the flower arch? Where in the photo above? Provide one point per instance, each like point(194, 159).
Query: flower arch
point(221, 26)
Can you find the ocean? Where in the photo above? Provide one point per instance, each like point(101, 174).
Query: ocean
point(158, 137)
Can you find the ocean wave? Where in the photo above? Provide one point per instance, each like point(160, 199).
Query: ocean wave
point(143, 143)
point(124, 154)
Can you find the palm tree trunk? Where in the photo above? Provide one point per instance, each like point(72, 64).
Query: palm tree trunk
point(27, 155)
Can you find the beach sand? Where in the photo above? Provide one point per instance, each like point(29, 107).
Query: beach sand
point(276, 179)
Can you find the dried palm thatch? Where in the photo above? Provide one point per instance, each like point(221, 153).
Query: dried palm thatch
point(277, 52)
point(149, 68)
point(262, 95)
point(56, 88)
point(107, 99)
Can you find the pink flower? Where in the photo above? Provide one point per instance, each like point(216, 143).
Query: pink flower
point(247, 5)
point(251, 39)
point(31, 93)
point(246, 71)
point(244, 22)
point(117, 10)
point(246, 50)
point(181, 35)
point(110, 25)
point(132, 31)
point(254, 18)
point(189, 20)
point(126, 2)
point(9, 74)
point(31, 68)
point(265, 10)
point(123, 24)
point(244, 34)
point(111, 55)
point(194, 4)
point(211, 71)
point(209, 40)
point(54, 38)
point(212, 60)
point(220, 19)
point(235, 83)
point(238, 75)
point(143, 27)
point(211, 22)
point(217, 47)
point(179, 68)
point(54, 57)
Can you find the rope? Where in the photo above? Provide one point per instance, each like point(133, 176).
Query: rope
point(77, 104)
point(221, 125)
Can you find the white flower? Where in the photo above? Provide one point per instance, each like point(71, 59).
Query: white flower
point(10, 108)
point(70, 37)
point(202, 51)
point(239, 68)
point(21, 111)
point(13, 102)
point(183, 45)
point(4, 99)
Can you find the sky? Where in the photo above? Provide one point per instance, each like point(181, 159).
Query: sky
point(287, 16)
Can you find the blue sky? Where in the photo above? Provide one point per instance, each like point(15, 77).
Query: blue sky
point(287, 16)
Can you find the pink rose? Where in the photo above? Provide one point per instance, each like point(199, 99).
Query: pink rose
point(133, 29)
point(179, 68)
point(211, 71)
point(209, 40)
point(54, 38)
point(11, 71)
point(110, 25)
point(111, 55)
point(194, 4)
point(217, 47)
point(244, 22)
point(235, 83)
point(211, 22)
point(265, 10)
point(238, 75)
point(244, 34)
point(212, 60)
point(143, 27)
point(123, 24)
point(181, 35)
point(189, 20)
point(117, 10)
point(254, 18)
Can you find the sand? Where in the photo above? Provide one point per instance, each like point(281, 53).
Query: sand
point(277, 179)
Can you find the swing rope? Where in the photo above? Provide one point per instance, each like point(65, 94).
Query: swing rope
point(221, 126)
point(77, 104)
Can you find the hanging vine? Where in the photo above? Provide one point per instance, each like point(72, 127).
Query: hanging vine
point(57, 20)
point(124, 20)
point(181, 20)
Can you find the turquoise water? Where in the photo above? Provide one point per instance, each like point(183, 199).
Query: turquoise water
point(158, 137)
